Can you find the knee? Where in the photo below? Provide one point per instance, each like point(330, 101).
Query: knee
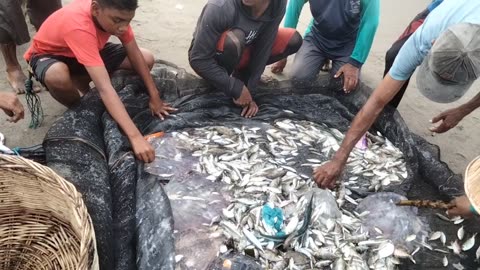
point(294, 43)
point(57, 77)
point(300, 72)
point(234, 43)
point(149, 58)
point(301, 76)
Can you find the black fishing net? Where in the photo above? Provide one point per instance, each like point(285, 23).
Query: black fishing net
point(131, 213)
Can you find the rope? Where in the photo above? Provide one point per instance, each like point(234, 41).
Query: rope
point(16, 150)
point(33, 103)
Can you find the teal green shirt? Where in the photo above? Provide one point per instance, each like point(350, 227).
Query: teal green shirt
point(334, 32)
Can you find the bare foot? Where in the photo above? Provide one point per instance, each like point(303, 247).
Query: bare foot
point(17, 79)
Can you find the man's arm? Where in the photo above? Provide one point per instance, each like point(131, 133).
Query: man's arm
point(294, 8)
point(450, 118)
point(138, 63)
point(210, 27)
point(368, 26)
point(326, 175)
point(366, 33)
point(142, 149)
point(365, 118)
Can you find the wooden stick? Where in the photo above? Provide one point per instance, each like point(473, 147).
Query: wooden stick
point(425, 204)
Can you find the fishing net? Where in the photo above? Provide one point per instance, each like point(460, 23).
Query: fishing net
point(34, 104)
point(130, 208)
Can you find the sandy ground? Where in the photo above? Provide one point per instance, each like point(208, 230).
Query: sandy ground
point(166, 26)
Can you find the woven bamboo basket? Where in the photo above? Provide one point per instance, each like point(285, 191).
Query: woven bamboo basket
point(44, 223)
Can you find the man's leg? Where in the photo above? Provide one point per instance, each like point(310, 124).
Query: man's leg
point(13, 31)
point(64, 77)
point(114, 57)
point(230, 51)
point(39, 10)
point(393, 52)
point(147, 55)
point(15, 76)
point(61, 85)
point(308, 61)
point(287, 42)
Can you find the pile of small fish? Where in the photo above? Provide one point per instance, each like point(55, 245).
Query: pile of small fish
point(259, 165)
point(371, 169)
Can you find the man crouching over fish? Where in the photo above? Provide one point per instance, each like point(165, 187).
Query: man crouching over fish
point(239, 38)
point(71, 49)
point(447, 44)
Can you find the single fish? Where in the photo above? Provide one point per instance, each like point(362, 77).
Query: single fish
point(178, 258)
point(469, 243)
point(254, 240)
point(435, 236)
point(410, 238)
point(445, 261)
point(460, 233)
point(385, 250)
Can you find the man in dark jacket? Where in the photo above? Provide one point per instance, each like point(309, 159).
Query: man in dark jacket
point(233, 42)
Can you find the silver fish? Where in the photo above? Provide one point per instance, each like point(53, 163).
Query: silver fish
point(469, 243)
point(460, 233)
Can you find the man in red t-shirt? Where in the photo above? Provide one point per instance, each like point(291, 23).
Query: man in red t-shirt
point(71, 49)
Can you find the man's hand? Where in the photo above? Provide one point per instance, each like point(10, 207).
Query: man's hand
point(278, 67)
point(10, 104)
point(142, 149)
point(326, 175)
point(250, 110)
point(460, 207)
point(245, 98)
point(160, 108)
point(449, 118)
point(350, 77)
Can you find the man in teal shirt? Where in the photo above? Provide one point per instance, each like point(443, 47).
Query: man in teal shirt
point(342, 31)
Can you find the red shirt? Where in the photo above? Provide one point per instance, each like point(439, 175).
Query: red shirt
point(71, 32)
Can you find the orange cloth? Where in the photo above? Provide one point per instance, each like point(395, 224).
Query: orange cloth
point(71, 32)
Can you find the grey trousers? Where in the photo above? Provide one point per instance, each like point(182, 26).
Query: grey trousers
point(309, 60)
point(13, 27)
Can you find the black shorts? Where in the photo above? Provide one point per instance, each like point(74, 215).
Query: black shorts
point(112, 56)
